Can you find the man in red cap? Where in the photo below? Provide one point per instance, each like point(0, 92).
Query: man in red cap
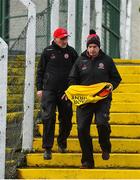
point(52, 80)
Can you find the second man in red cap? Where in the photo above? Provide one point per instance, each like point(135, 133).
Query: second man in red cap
point(52, 80)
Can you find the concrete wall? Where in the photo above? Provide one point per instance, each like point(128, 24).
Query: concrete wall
point(16, 25)
point(17, 9)
point(135, 30)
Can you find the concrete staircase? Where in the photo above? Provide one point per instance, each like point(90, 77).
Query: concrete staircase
point(125, 122)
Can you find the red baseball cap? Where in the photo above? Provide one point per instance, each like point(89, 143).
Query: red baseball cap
point(60, 33)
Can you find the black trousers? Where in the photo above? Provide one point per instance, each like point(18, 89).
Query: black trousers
point(84, 120)
point(51, 100)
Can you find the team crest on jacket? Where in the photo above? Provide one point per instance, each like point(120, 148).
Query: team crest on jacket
point(84, 67)
point(101, 66)
point(66, 55)
point(52, 56)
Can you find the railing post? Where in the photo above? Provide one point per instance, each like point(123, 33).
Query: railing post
point(3, 104)
point(98, 9)
point(122, 28)
point(85, 23)
point(54, 16)
point(128, 30)
point(27, 126)
point(71, 24)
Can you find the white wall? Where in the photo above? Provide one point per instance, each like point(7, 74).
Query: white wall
point(135, 30)
point(16, 9)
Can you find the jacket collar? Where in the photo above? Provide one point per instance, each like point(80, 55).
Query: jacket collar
point(58, 47)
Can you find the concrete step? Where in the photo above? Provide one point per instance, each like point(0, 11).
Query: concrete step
point(14, 107)
point(117, 97)
point(126, 97)
point(121, 68)
point(128, 69)
point(18, 71)
point(115, 108)
point(17, 116)
point(123, 88)
point(119, 107)
point(125, 131)
point(119, 145)
point(15, 80)
point(130, 78)
point(115, 118)
point(128, 88)
point(74, 160)
point(16, 64)
point(8, 153)
point(14, 98)
point(126, 79)
point(18, 107)
point(15, 58)
point(127, 62)
point(15, 90)
point(14, 116)
point(67, 173)
point(10, 162)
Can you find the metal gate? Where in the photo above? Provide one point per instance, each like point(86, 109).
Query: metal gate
point(4, 19)
point(111, 27)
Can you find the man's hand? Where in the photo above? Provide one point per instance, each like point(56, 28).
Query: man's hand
point(39, 93)
point(64, 97)
point(109, 88)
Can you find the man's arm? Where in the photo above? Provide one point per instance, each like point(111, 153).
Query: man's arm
point(73, 78)
point(74, 58)
point(40, 71)
point(115, 77)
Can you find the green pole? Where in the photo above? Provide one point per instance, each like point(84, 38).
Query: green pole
point(3, 19)
point(79, 12)
point(105, 31)
point(48, 23)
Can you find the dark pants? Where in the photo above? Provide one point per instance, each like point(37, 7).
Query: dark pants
point(84, 120)
point(51, 100)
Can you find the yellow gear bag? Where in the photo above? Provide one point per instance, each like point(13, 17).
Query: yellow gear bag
point(79, 94)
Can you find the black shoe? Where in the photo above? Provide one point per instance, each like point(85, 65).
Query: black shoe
point(105, 155)
point(87, 165)
point(62, 150)
point(47, 154)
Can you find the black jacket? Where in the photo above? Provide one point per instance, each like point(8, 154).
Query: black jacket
point(54, 67)
point(87, 72)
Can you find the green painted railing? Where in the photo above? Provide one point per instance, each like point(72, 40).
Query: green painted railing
point(111, 27)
